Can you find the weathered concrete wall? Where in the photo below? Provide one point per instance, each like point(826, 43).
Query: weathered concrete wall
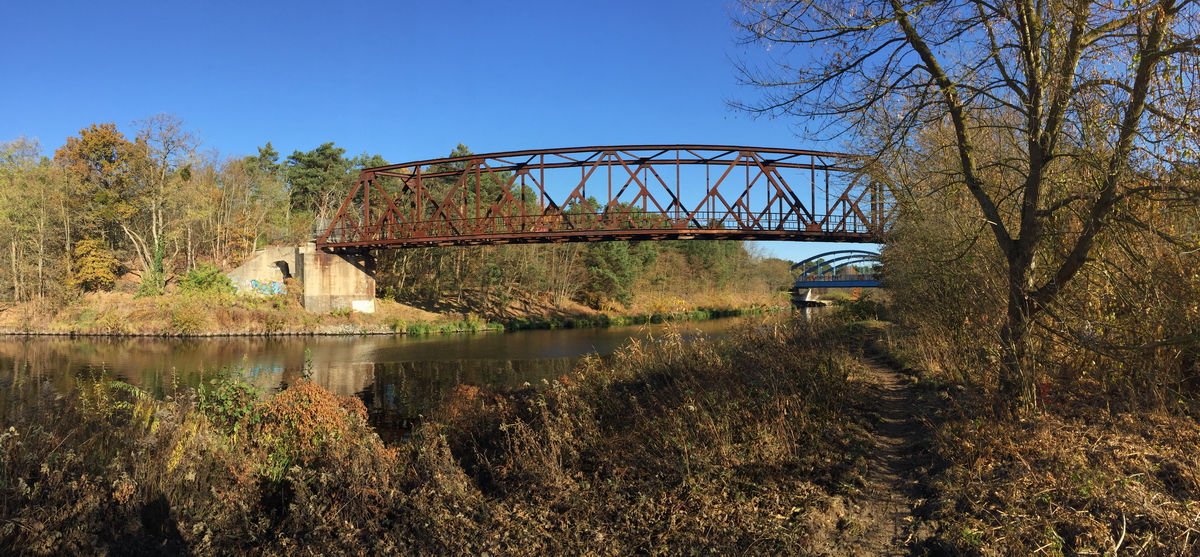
point(267, 269)
point(337, 281)
point(330, 281)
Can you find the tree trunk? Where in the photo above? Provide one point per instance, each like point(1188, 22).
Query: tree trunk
point(67, 235)
point(141, 248)
point(16, 282)
point(1017, 370)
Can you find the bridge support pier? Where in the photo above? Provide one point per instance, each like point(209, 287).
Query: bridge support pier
point(334, 281)
point(804, 297)
point(331, 281)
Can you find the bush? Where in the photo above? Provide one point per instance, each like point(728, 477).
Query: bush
point(229, 401)
point(836, 296)
point(862, 309)
point(95, 266)
point(206, 278)
point(188, 317)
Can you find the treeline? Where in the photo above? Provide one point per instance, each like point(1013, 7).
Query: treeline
point(601, 275)
point(154, 203)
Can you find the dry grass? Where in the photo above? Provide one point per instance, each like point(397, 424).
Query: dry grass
point(1070, 483)
point(1085, 474)
point(746, 446)
point(120, 313)
point(182, 314)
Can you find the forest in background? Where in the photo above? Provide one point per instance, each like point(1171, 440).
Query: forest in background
point(152, 205)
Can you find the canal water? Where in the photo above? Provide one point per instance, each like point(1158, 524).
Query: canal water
point(398, 377)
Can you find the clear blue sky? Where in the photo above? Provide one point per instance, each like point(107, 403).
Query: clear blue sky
point(405, 79)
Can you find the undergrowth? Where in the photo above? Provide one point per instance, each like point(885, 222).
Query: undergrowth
point(1085, 473)
point(606, 320)
point(738, 446)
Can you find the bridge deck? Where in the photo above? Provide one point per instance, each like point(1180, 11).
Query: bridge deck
point(641, 192)
point(837, 284)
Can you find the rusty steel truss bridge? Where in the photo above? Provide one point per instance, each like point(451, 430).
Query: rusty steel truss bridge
point(628, 192)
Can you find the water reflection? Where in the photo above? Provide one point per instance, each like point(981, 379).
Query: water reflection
point(398, 377)
point(403, 391)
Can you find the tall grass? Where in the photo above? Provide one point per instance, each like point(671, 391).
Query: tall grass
point(606, 320)
point(1087, 473)
point(673, 447)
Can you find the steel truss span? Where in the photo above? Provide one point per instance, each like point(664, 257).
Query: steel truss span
point(630, 192)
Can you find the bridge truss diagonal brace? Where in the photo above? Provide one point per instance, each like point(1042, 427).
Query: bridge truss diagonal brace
point(530, 197)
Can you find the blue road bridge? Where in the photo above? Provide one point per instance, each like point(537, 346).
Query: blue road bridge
point(837, 269)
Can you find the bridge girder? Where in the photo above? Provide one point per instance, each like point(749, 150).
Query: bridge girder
point(812, 275)
point(647, 192)
point(844, 258)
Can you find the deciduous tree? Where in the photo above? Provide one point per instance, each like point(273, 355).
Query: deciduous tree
point(1057, 112)
point(100, 164)
point(164, 153)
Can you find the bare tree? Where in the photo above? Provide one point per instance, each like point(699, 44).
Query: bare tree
point(166, 149)
point(1090, 101)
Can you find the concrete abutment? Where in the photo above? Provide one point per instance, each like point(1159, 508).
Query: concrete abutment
point(331, 281)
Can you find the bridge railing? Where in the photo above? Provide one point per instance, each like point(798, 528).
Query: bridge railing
point(864, 277)
point(585, 194)
point(615, 223)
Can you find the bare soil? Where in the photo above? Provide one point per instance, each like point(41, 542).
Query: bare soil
point(885, 517)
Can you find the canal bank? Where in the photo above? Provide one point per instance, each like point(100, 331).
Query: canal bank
point(666, 445)
point(397, 376)
point(225, 314)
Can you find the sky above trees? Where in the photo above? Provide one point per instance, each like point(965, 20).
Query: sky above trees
point(406, 80)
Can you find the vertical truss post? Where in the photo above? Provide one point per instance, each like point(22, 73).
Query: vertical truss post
point(637, 208)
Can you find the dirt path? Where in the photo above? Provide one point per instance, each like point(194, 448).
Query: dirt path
point(887, 509)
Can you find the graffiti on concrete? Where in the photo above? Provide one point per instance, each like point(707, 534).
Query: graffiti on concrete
point(268, 288)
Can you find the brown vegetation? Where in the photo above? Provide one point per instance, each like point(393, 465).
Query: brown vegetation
point(122, 313)
point(1089, 472)
point(734, 447)
point(761, 444)
point(220, 314)
point(1070, 483)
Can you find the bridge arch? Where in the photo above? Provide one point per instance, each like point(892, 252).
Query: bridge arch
point(826, 270)
point(625, 192)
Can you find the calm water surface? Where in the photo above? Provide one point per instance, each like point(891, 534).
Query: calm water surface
point(398, 377)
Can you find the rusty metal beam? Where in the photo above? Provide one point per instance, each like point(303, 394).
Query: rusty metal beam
point(535, 197)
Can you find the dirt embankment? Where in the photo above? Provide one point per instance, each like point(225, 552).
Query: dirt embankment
point(180, 314)
point(783, 439)
point(118, 313)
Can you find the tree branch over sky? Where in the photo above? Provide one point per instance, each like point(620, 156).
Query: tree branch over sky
point(1050, 108)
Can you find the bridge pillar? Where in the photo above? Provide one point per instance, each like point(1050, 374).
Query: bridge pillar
point(335, 281)
point(803, 297)
point(331, 281)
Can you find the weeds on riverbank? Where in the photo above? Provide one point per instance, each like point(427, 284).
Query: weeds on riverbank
point(1086, 473)
point(471, 323)
point(738, 446)
point(606, 320)
point(204, 313)
point(223, 313)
